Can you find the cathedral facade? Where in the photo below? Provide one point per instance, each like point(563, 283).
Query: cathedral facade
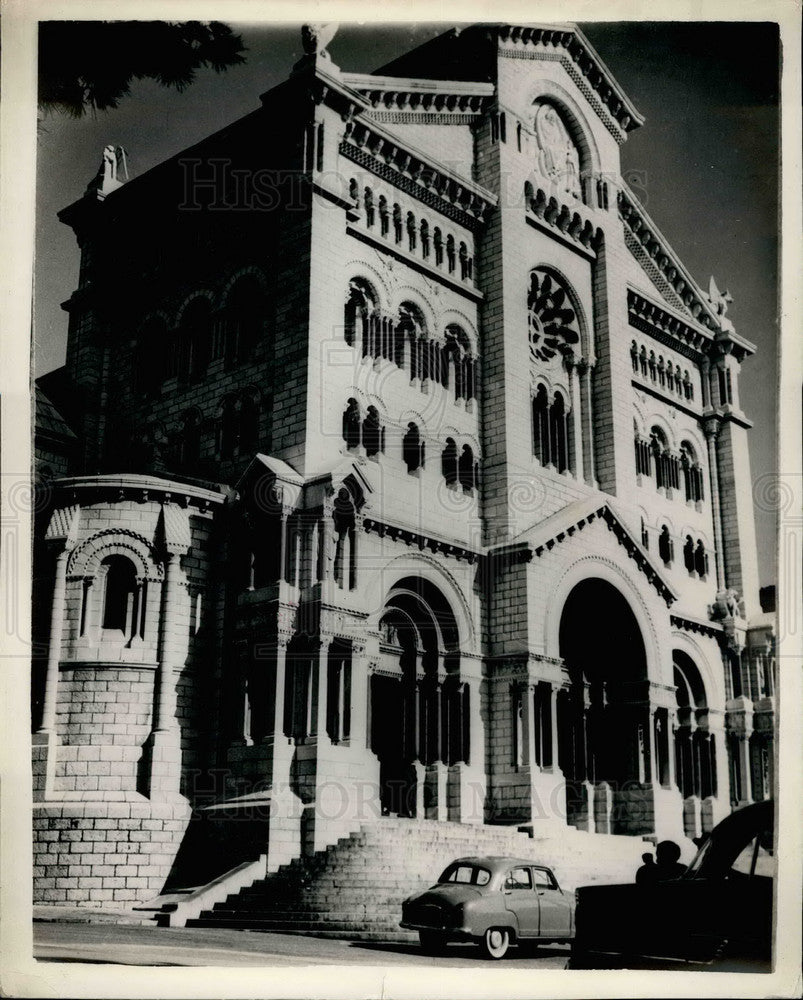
point(397, 468)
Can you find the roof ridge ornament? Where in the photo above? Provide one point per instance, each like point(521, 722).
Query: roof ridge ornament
point(112, 172)
point(720, 302)
point(314, 39)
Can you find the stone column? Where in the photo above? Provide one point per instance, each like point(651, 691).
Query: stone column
point(576, 408)
point(284, 835)
point(318, 690)
point(711, 429)
point(165, 740)
point(585, 367)
point(48, 723)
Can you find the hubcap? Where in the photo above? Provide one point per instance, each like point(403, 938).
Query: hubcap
point(496, 939)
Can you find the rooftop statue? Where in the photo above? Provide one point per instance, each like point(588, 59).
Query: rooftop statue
point(315, 38)
point(720, 301)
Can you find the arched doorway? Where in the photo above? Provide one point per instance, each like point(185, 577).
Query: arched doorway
point(418, 706)
point(605, 739)
point(695, 750)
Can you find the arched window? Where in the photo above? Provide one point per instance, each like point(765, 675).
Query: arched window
point(661, 371)
point(450, 254)
point(424, 239)
point(360, 307)
point(397, 223)
point(413, 448)
point(384, 216)
point(559, 433)
point(345, 563)
point(119, 595)
point(465, 262)
point(411, 232)
point(449, 462)
point(195, 340)
point(692, 473)
point(466, 469)
point(541, 442)
point(437, 242)
point(634, 356)
point(410, 335)
point(227, 428)
point(373, 433)
point(700, 559)
point(688, 390)
point(666, 547)
point(688, 554)
point(642, 359)
point(351, 424)
point(457, 365)
point(243, 320)
point(558, 154)
point(369, 207)
point(667, 465)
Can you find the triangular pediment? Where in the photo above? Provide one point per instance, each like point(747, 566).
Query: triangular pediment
point(562, 526)
point(662, 266)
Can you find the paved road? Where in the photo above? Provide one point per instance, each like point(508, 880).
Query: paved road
point(132, 945)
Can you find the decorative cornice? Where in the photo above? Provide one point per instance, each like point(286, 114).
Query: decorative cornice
point(664, 325)
point(137, 488)
point(444, 99)
point(562, 219)
point(385, 246)
point(696, 626)
point(584, 66)
point(410, 170)
point(420, 541)
point(669, 265)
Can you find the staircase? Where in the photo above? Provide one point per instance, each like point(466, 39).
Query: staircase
point(354, 889)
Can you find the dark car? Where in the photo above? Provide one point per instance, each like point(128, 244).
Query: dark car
point(493, 901)
point(717, 913)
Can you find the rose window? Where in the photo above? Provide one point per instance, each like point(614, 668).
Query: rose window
point(552, 322)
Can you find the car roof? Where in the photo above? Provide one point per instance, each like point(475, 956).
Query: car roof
point(496, 861)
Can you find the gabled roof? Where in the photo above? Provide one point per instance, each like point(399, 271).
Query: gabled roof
point(576, 516)
point(49, 421)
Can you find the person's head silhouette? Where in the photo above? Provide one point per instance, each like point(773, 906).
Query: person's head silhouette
point(667, 853)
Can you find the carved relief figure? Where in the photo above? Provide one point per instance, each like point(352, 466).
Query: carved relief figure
point(558, 157)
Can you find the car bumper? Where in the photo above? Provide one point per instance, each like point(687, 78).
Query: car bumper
point(451, 933)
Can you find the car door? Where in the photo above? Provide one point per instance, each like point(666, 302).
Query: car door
point(554, 905)
point(520, 899)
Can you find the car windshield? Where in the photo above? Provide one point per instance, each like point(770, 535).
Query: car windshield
point(465, 874)
point(745, 850)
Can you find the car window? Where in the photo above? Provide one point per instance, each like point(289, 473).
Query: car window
point(756, 858)
point(543, 878)
point(519, 878)
point(464, 874)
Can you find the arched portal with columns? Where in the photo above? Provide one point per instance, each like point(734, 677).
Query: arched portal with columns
point(612, 744)
point(418, 705)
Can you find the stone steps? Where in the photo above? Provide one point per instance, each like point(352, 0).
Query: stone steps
point(354, 889)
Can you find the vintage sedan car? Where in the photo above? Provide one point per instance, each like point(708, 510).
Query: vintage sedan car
point(493, 901)
point(718, 913)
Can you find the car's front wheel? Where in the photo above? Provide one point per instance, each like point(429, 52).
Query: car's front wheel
point(495, 942)
point(432, 942)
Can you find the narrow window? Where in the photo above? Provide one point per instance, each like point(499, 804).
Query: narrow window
point(372, 432)
point(413, 448)
point(466, 469)
point(665, 546)
point(351, 424)
point(449, 462)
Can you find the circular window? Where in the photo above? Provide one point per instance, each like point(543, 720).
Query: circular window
point(552, 321)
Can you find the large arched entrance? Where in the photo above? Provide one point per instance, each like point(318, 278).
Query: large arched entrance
point(418, 705)
point(605, 740)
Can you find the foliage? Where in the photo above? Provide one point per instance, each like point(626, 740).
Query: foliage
point(90, 64)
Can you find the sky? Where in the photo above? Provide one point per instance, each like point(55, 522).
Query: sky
point(705, 165)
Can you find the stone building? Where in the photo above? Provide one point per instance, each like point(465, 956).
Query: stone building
point(408, 480)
